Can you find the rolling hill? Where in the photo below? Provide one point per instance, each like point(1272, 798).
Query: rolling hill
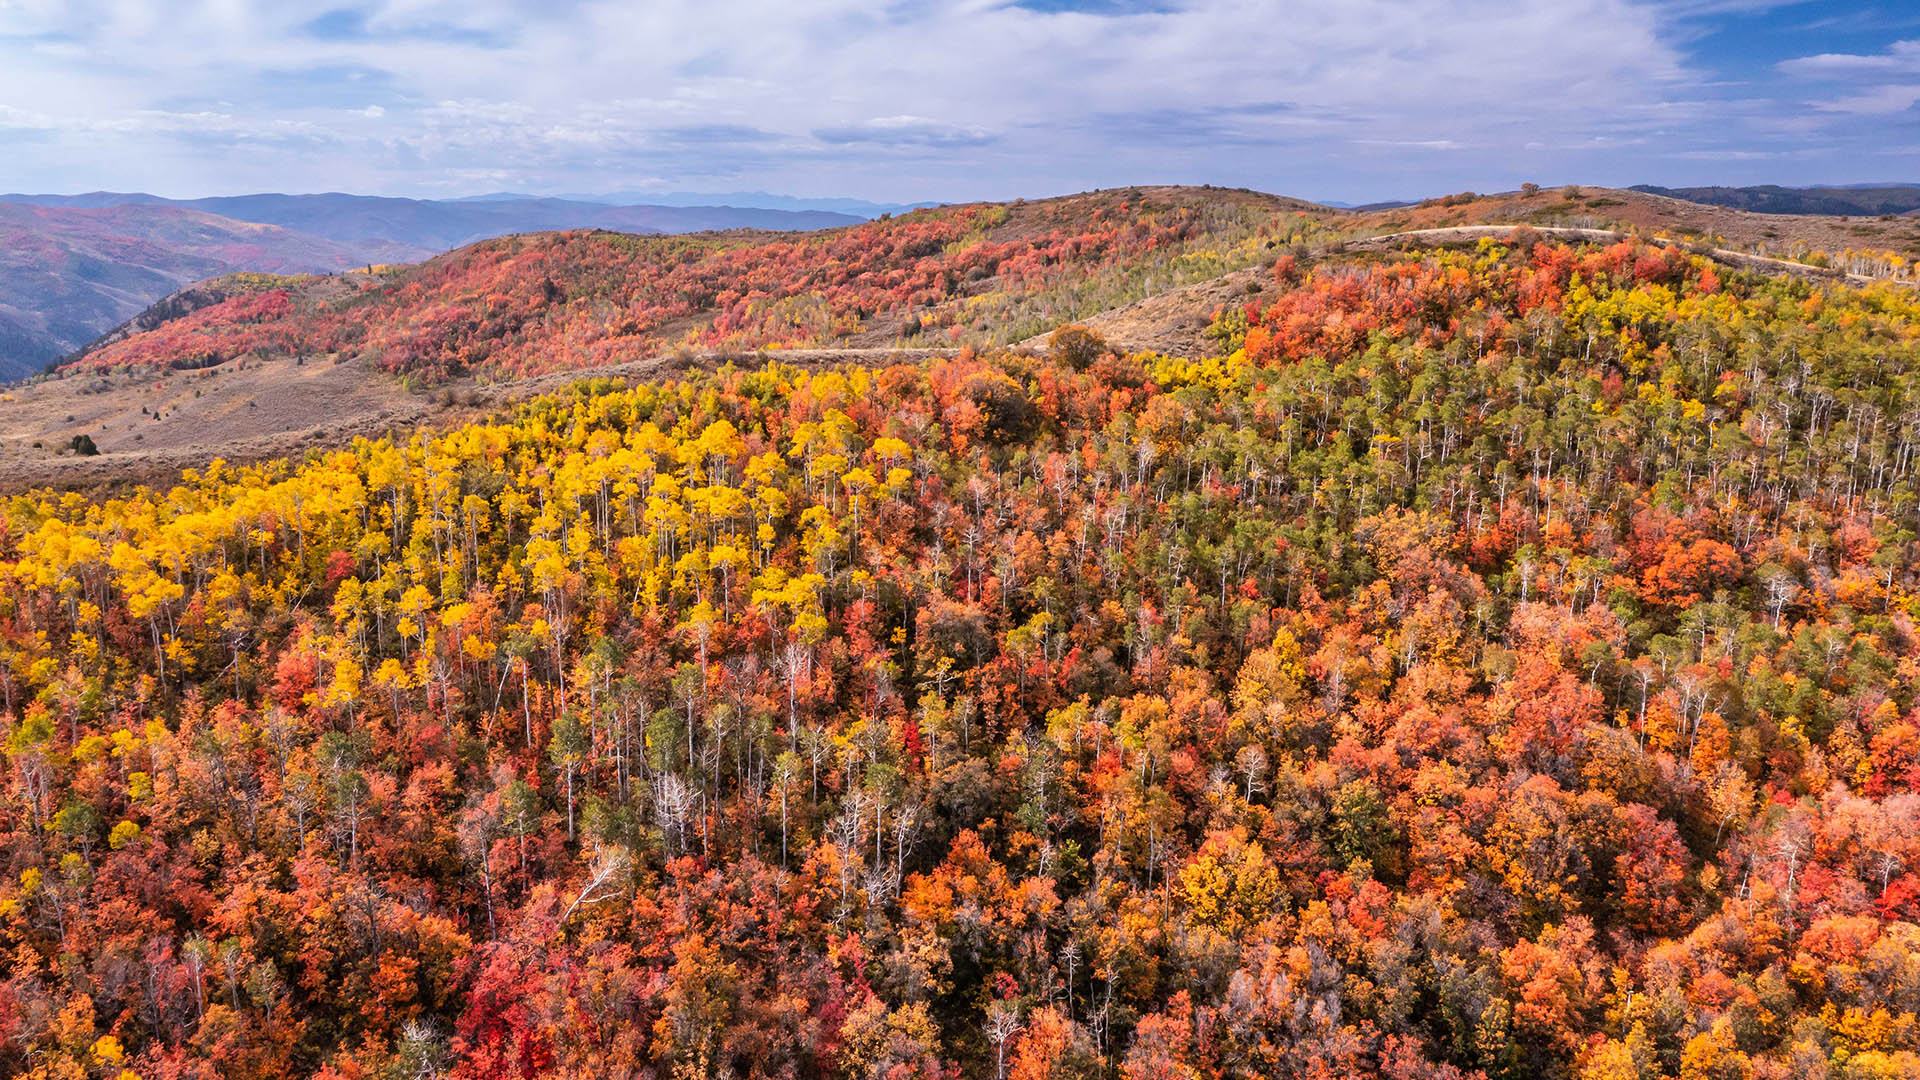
point(226, 368)
point(1149, 267)
point(974, 274)
point(1822, 237)
point(71, 267)
point(526, 305)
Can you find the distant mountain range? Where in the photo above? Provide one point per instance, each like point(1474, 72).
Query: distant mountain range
point(758, 200)
point(69, 273)
point(1851, 201)
point(407, 230)
point(74, 266)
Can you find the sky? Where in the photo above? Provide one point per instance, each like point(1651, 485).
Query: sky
point(1337, 100)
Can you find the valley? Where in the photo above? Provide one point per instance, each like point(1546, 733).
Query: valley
point(68, 275)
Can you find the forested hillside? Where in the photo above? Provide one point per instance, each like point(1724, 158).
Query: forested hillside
point(73, 267)
point(1496, 663)
point(524, 305)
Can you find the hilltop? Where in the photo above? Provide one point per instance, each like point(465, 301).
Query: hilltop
point(231, 366)
point(969, 274)
point(526, 305)
point(1818, 239)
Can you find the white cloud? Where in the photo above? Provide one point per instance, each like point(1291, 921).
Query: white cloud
point(974, 97)
point(1898, 57)
point(1878, 101)
point(1860, 88)
point(25, 120)
point(1416, 144)
point(905, 131)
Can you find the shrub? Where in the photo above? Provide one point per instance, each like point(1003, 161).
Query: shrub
point(1076, 346)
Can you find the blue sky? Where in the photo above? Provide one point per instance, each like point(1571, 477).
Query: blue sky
point(1349, 100)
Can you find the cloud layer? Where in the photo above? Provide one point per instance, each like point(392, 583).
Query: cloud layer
point(1330, 98)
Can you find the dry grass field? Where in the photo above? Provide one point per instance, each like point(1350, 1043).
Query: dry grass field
point(147, 426)
point(148, 423)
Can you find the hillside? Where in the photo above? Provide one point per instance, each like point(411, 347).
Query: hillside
point(68, 274)
point(73, 267)
point(525, 305)
point(1870, 246)
point(1487, 663)
point(977, 274)
point(1148, 268)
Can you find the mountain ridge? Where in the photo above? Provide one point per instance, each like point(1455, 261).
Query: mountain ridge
point(1840, 200)
point(398, 229)
point(1786, 237)
point(68, 273)
point(1146, 267)
point(854, 285)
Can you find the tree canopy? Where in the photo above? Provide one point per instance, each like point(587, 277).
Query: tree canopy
point(1495, 663)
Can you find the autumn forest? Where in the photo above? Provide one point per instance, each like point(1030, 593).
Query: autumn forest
point(1493, 662)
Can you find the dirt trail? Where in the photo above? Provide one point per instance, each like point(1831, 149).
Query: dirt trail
point(1173, 322)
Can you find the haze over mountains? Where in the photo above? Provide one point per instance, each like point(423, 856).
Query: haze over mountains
point(758, 200)
point(406, 230)
point(67, 274)
point(74, 266)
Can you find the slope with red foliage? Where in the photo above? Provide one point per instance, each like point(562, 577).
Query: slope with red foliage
point(530, 304)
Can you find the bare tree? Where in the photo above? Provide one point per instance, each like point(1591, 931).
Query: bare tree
point(673, 801)
point(1003, 1020)
point(476, 830)
point(1252, 761)
point(1780, 588)
point(608, 864)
